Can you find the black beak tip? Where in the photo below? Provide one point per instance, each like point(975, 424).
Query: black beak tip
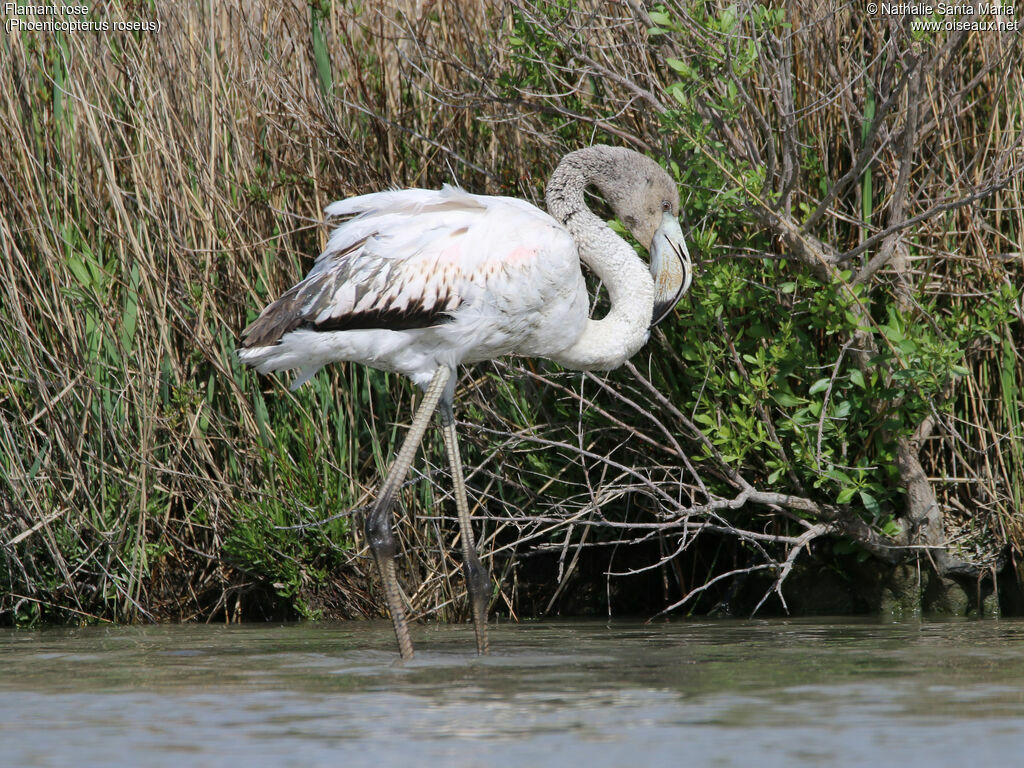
point(661, 310)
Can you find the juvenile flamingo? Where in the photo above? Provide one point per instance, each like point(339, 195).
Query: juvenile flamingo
point(418, 281)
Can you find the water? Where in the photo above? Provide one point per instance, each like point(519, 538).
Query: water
point(688, 693)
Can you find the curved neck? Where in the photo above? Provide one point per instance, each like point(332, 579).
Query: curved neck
point(606, 343)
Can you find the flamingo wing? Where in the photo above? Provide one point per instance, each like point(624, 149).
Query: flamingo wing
point(408, 259)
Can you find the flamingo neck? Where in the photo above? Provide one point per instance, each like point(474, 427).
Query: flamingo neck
point(609, 342)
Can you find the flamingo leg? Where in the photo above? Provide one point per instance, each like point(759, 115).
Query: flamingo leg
point(379, 521)
point(478, 580)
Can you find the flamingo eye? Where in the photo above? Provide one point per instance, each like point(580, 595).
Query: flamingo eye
point(666, 206)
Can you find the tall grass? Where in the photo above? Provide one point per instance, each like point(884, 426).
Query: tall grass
point(158, 189)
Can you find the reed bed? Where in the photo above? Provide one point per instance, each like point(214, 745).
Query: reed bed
point(158, 188)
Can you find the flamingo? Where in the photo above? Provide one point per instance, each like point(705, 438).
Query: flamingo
point(418, 281)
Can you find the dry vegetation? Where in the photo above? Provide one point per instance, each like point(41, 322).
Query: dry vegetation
point(846, 375)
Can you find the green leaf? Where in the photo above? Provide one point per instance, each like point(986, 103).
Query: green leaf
point(845, 495)
point(870, 503)
point(893, 334)
point(892, 528)
point(703, 418)
point(857, 377)
point(679, 66)
point(727, 20)
point(79, 270)
point(819, 386)
point(839, 476)
point(321, 58)
point(678, 93)
point(787, 400)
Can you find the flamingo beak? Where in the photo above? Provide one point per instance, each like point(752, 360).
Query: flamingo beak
point(670, 266)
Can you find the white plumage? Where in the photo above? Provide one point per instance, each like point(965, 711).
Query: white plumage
point(418, 281)
point(479, 277)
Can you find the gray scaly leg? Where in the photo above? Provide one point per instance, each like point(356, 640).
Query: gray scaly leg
point(478, 580)
point(380, 519)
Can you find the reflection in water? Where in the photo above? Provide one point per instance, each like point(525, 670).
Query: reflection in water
point(765, 693)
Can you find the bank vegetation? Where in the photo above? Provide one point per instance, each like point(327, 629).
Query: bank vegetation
point(831, 420)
